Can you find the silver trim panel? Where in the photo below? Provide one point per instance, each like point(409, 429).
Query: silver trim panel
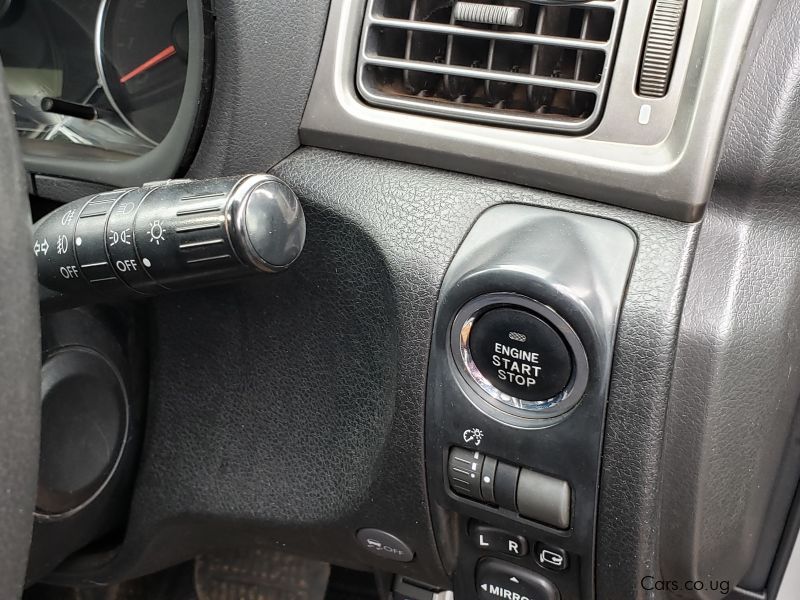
point(655, 155)
point(507, 36)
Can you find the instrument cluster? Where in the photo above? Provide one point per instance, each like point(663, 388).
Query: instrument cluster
point(106, 74)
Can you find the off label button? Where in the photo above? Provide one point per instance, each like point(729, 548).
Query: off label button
point(520, 354)
point(385, 545)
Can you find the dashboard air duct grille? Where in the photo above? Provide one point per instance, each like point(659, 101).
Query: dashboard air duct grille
point(534, 64)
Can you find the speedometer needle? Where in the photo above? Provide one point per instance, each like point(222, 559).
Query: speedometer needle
point(149, 64)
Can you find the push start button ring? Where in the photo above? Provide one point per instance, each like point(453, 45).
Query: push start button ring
point(518, 409)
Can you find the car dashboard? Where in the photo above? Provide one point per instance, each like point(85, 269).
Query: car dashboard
point(481, 299)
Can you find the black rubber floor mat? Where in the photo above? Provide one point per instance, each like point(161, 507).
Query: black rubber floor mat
point(260, 575)
point(345, 584)
point(176, 583)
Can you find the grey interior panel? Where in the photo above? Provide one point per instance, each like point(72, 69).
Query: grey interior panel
point(260, 88)
point(734, 395)
point(734, 398)
point(760, 152)
point(669, 172)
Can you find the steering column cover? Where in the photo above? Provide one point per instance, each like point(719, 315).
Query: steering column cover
point(19, 361)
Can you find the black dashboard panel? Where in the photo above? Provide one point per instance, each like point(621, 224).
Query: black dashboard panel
point(290, 412)
point(749, 233)
point(314, 412)
point(573, 270)
point(260, 89)
point(88, 472)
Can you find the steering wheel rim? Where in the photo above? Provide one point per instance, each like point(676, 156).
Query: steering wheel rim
point(20, 358)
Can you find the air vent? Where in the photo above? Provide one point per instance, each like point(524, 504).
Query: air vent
point(539, 65)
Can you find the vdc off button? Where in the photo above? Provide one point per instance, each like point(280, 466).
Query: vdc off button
point(520, 354)
point(384, 544)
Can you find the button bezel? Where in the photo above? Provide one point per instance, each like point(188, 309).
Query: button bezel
point(504, 404)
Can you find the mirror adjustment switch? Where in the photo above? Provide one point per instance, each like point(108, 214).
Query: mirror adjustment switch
point(464, 472)
point(498, 580)
point(544, 499)
point(494, 539)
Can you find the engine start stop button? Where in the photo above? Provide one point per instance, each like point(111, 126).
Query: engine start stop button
point(520, 354)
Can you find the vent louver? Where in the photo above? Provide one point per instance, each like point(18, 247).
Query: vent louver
point(546, 67)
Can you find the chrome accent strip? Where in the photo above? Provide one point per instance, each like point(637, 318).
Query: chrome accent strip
point(550, 408)
point(664, 167)
point(416, 65)
point(505, 36)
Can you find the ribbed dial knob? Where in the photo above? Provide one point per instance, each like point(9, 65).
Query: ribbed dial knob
point(660, 48)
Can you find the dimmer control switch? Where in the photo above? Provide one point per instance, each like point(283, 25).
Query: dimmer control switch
point(169, 235)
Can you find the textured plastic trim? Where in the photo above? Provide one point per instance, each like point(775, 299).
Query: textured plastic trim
point(578, 266)
point(54, 368)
